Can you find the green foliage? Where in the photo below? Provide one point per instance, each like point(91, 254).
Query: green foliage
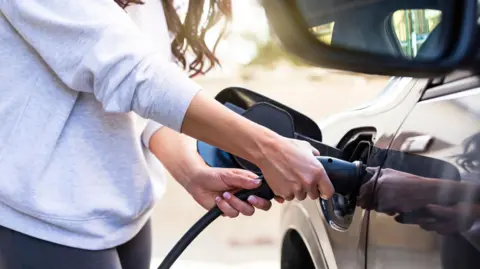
point(269, 53)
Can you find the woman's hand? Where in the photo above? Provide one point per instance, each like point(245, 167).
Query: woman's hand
point(209, 186)
point(215, 187)
point(292, 171)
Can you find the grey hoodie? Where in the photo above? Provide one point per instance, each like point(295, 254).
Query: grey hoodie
point(76, 78)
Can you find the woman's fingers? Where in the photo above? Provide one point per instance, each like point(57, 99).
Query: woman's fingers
point(314, 151)
point(260, 203)
point(238, 205)
point(227, 210)
point(241, 179)
point(245, 173)
point(314, 194)
point(300, 194)
point(320, 185)
point(325, 186)
point(246, 208)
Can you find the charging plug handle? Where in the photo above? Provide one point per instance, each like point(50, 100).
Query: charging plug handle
point(345, 176)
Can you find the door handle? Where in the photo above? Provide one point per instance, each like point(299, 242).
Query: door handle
point(417, 144)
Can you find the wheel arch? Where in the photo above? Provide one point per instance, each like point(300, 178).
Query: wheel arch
point(299, 234)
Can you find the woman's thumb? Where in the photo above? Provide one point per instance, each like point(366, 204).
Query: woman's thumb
point(242, 179)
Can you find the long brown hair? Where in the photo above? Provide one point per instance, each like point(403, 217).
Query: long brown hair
point(190, 34)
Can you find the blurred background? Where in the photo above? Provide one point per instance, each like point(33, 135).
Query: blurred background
point(252, 59)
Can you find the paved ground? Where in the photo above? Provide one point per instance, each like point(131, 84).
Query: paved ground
point(239, 242)
point(213, 265)
point(228, 241)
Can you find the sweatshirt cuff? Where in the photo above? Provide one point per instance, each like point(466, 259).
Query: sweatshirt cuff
point(179, 91)
point(148, 132)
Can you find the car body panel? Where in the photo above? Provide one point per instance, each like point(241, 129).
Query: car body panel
point(346, 249)
point(448, 121)
point(296, 217)
point(372, 239)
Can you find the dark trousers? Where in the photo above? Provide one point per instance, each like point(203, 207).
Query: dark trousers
point(19, 251)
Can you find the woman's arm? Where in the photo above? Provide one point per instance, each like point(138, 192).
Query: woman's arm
point(207, 185)
point(177, 153)
point(290, 168)
point(93, 46)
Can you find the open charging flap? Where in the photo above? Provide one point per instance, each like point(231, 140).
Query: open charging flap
point(270, 114)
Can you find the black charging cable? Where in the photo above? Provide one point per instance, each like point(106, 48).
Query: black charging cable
point(263, 191)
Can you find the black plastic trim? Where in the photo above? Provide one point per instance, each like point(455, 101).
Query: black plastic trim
point(452, 87)
point(354, 134)
point(325, 150)
point(457, 75)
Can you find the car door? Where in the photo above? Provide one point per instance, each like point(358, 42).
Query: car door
point(438, 145)
point(362, 134)
point(374, 127)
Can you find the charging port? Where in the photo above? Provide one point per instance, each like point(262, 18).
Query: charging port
point(356, 146)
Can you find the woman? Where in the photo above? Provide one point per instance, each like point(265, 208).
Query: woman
point(75, 191)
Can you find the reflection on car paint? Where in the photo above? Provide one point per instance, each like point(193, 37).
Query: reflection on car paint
point(426, 204)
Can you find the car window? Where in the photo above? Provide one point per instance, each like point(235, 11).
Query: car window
point(411, 27)
point(395, 28)
point(324, 32)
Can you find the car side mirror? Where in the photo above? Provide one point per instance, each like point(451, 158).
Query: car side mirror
point(413, 38)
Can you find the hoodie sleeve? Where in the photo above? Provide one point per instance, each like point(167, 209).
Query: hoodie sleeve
point(148, 132)
point(93, 46)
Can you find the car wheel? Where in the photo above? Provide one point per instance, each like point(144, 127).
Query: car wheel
point(294, 253)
